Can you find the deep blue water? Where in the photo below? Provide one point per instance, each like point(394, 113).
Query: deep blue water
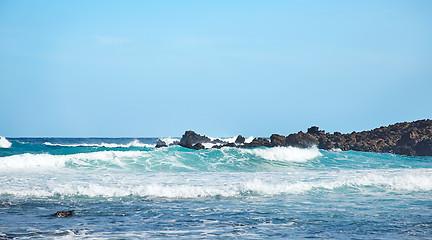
point(125, 188)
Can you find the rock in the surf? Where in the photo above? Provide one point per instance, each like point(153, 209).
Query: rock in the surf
point(258, 142)
point(277, 140)
point(63, 214)
point(190, 139)
point(240, 139)
point(301, 140)
point(406, 138)
point(165, 142)
point(160, 143)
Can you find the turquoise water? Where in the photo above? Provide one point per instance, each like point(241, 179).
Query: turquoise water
point(126, 188)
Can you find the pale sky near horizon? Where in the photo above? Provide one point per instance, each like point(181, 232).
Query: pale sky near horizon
point(221, 68)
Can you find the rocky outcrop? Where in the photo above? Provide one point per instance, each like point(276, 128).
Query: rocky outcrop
point(161, 143)
point(257, 142)
point(406, 138)
point(240, 139)
point(166, 142)
point(190, 139)
point(301, 140)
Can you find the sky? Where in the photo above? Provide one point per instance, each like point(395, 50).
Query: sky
point(221, 68)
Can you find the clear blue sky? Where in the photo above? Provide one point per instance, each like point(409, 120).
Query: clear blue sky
point(158, 68)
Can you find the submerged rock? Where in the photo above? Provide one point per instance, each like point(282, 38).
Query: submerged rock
point(63, 214)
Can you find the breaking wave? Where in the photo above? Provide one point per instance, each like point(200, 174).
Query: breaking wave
point(28, 161)
point(162, 186)
point(134, 143)
point(169, 140)
point(290, 154)
point(4, 143)
point(170, 159)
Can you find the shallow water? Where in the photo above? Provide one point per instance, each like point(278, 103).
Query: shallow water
point(125, 188)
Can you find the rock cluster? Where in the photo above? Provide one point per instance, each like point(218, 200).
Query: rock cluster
point(406, 138)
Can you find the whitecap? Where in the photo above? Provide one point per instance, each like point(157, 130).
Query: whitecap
point(290, 154)
point(134, 143)
point(4, 143)
point(249, 139)
point(213, 184)
point(28, 161)
point(170, 141)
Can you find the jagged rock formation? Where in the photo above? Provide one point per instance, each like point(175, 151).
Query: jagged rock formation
point(166, 142)
point(406, 138)
point(193, 140)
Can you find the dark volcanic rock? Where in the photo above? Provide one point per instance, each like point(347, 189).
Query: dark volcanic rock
point(277, 140)
point(190, 138)
point(198, 146)
point(314, 130)
point(224, 145)
point(258, 142)
point(240, 139)
point(406, 138)
point(62, 214)
point(301, 139)
point(161, 143)
point(423, 148)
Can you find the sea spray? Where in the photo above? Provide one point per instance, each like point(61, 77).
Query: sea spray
point(285, 153)
point(134, 143)
point(4, 143)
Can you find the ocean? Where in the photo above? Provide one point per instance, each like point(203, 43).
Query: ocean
point(125, 188)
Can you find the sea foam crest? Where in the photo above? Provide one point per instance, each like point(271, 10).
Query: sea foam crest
point(134, 143)
point(170, 141)
point(231, 139)
point(28, 161)
point(4, 143)
point(161, 187)
point(290, 154)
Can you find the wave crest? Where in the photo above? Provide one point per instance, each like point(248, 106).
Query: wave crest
point(4, 143)
point(216, 185)
point(134, 143)
point(290, 154)
point(28, 161)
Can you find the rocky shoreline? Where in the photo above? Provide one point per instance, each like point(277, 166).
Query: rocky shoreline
point(405, 138)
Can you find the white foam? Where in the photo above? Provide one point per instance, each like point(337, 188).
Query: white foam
point(28, 161)
point(209, 145)
point(229, 140)
point(291, 154)
point(405, 180)
point(4, 143)
point(170, 141)
point(212, 184)
point(134, 143)
point(249, 139)
point(232, 139)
